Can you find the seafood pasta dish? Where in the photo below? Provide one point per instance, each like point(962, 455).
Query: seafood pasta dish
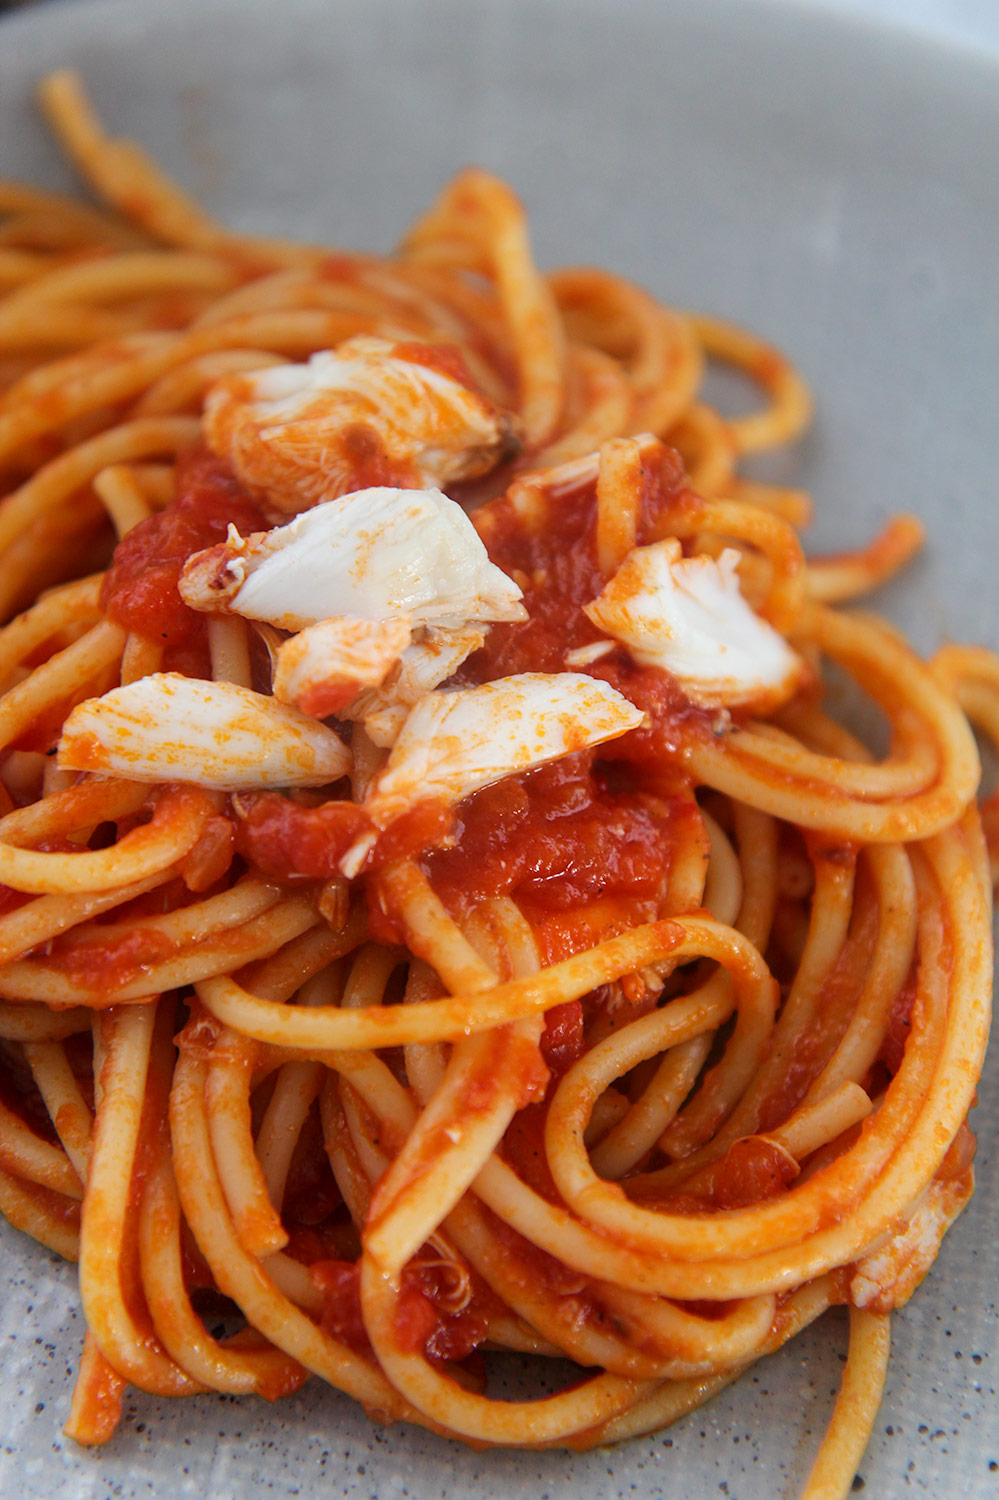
point(439, 913)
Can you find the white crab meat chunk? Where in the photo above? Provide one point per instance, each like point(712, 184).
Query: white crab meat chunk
point(377, 554)
point(297, 434)
point(422, 667)
point(325, 666)
point(454, 743)
point(688, 616)
point(166, 727)
point(887, 1277)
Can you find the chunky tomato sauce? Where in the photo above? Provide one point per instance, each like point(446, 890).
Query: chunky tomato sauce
point(562, 1038)
point(423, 1321)
point(580, 833)
point(752, 1170)
point(342, 1318)
point(140, 589)
point(558, 840)
point(960, 1155)
point(290, 840)
point(524, 1148)
point(286, 839)
point(556, 566)
point(311, 1195)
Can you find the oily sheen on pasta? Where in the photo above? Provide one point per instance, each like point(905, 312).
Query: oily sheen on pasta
point(438, 915)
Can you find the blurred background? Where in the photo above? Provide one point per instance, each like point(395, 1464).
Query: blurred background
point(968, 21)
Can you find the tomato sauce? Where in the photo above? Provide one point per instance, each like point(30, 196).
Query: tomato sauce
point(104, 967)
point(287, 840)
point(897, 1030)
point(563, 838)
point(540, 645)
point(960, 1155)
point(208, 862)
point(423, 1322)
point(10, 899)
point(556, 566)
point(562, 1038)
point(752, 1170)
point(311, 1194)
point(580, 831)
point(524, 1148)
point(339, 1283)
point(577, 848)
point(140, 589)
point(556, 837)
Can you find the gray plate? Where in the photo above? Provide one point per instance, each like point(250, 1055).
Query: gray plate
point(831, 184)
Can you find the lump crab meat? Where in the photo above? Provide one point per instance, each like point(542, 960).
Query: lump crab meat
point(375, 554)
point(422, 667)
point(687, 615)
point(167, 727)
point(298, 434)
point(455, 742)
point(324, 667)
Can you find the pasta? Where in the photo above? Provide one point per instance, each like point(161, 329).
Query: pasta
point(501, 950)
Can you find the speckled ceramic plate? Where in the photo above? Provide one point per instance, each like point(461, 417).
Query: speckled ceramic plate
point(826, 181)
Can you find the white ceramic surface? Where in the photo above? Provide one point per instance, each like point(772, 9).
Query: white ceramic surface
point(825, 176)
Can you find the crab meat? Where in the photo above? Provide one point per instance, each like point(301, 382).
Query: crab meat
point(297, 434)
point(687, 615)
point(166, 727)
point(377, 554)
point(326, 665)
point(454, 743)
point(422, 667)
point(887, 1277)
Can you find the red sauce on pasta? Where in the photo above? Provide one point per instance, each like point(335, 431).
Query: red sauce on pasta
point(339, 1283)
point(106, 966)
point(140, 588)
point(556, 566)
point(556, 839)
point(10, 899)
point(751, 1170)
point(287, 840)
point(423, 1322)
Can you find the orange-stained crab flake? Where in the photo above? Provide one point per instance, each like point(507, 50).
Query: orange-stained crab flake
point(687, 615)
point(166, 727)
point(453, 743)
point(369, 412)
